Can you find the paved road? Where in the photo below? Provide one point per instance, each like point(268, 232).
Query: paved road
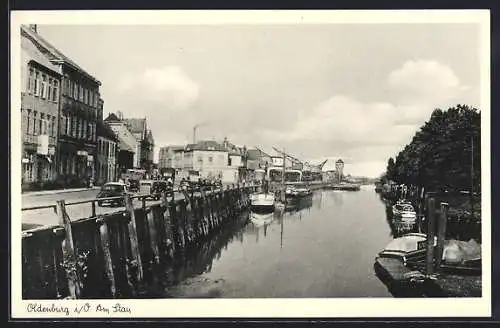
point(37, 217)
point(42, 217)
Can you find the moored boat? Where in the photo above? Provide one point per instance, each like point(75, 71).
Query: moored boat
point(404, 210)
point(295, 192)
point(262, 202)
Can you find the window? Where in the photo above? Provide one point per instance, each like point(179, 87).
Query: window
point(49, 126)
point(53, 126)
point(55, 91)
point(49, 91)
point(210, 159)
point(84, 133)
point(28, 123)
point(43, 91)
point(91, 98)
point(74, 126)
point(31, 80)
point(80, 93)
point(36, 90)
point(75, 90)
point(93, 132)
point(35, 125)
point(42, 124)
point(229, 161)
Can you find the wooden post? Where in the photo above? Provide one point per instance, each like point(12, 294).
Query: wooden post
point(430, 236)
point(441, 235)
point(108, 263)
point(169, 241)
point(68, 249)
point(153, 235)
point(134, 242)
point(93, 209)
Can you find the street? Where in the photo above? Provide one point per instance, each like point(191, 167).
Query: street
point(41, 217)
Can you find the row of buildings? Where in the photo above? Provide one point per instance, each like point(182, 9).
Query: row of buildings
point(65, 140)
point(232, 163)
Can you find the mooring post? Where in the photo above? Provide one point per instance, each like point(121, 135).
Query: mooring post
point(431, 212)
point(441, 234)
point(93, 209)
point(105, 244)
point(68, 249)
point(134, 242)
point(153, 237)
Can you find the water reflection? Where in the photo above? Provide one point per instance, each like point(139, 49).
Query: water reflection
point(198, 261)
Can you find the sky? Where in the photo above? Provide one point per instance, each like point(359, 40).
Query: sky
point(353, 91)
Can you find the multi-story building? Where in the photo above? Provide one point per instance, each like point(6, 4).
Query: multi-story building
point(208, 158)
point(127, 154)
point(78, 104)
point(40, 88)
point(171, 157)
point(107, 151)
point(145, 142)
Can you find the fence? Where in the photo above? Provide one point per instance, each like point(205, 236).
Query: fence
point(113, 255)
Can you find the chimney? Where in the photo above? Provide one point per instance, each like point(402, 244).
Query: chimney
point(32, 27)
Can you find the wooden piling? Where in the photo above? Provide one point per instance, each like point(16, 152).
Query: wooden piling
point(169, 240)
point(68, 249)
point(108, 262)
point(134, 243)
point(441, 234)
point(153, 239)
point(431, 212)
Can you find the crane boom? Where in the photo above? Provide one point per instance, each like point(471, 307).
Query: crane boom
point(295, 160)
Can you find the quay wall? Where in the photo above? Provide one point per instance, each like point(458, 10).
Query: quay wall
point(117, 254)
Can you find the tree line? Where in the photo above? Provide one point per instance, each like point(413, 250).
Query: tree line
point(445, 154)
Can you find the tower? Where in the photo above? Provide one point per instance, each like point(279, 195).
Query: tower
point(339, 167)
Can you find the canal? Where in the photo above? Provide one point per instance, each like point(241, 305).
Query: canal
point(325, 247)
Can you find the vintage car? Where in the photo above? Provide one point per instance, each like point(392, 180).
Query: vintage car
point(154, 188)
point(112, 189)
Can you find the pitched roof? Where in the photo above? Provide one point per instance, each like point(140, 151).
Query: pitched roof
point(253, 154)
point(53, 53)
point(205, 145)
point(103, 130)
point(172, 147)
point(112, 118)
point(35, 54)
point(135, 125)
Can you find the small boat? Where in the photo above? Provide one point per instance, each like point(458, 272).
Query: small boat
point(262, 202)
point(404, 247)
point(294, 192)
point(405, 211)
point(344, 186)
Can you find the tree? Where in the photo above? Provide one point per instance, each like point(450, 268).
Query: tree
point(444, 154)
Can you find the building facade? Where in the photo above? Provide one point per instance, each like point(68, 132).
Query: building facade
point(208, 158)
point(40, 92)
point(145, 142)
point(78, 103)
point(107, 154)
point(127, 143)
point(171, 157)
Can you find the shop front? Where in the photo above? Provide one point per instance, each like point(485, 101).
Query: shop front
point(77, 166)
point(38, 165)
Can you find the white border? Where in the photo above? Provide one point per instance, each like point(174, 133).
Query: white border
point(251, 308)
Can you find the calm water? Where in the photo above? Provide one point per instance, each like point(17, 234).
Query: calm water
point(324, 248)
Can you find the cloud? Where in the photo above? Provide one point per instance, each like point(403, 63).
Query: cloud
point(369, 132)
point(168, 86)
point(425, 81)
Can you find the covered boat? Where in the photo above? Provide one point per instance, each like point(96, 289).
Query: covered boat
point(295, 192)
point(262, 202)
point(405, 211)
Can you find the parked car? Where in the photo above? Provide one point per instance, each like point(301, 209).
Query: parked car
point(154, 188)
point(112, 189)
point(133, 185)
